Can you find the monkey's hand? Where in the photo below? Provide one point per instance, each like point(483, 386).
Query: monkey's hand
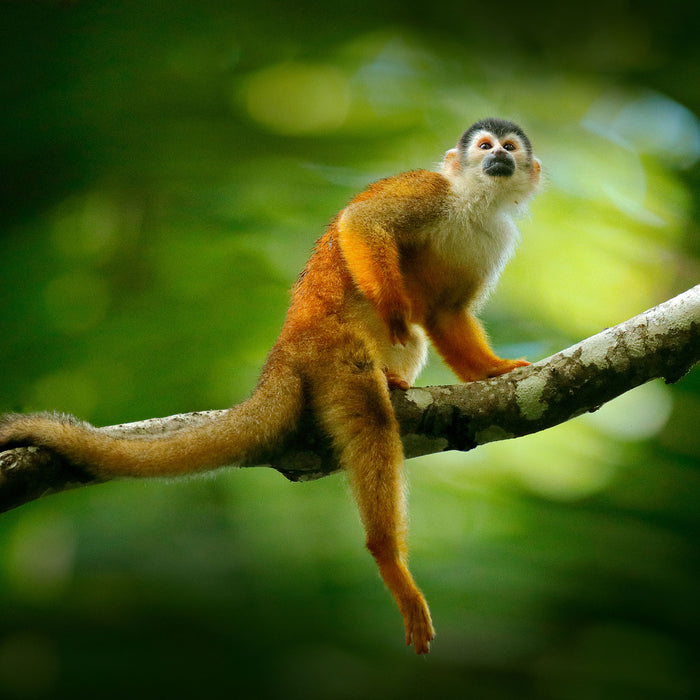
point(505, 366)
point(397, 323)
point(394, 308)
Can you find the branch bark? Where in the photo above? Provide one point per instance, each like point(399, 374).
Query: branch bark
point(662, 342)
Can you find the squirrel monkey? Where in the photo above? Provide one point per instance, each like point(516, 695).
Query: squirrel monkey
point(411, 256)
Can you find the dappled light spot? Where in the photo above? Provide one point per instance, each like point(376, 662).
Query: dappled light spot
point(70, 389)
point(650, 123)
point(639, 414)
point(76, 301)
point(566, 464)
point(295, 98)
point(90, 226)
point(40, 557)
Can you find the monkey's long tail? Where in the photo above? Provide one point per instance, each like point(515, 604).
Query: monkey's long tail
point(260, 422)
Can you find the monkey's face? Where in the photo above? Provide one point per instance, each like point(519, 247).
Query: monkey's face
point(496, 156)
point(493, 156)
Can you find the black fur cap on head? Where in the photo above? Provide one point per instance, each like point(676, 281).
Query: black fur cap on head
point(499, 128)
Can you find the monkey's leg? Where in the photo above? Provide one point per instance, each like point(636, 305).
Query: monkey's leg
point(354, 408)
point(460, 339)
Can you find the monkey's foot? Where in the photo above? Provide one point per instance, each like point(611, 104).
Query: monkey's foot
point(419, 626)
point(505, 366)
point(395, 381)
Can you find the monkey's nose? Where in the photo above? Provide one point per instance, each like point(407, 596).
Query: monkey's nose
point(498, 162)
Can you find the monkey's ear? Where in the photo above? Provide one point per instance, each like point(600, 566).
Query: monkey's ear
point(451, 164)
point(536, 168)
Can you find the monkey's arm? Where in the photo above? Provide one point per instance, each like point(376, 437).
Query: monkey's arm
point(372, 256)
point(370, 231)
point(461, 340)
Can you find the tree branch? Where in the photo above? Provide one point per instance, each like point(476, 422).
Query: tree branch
point(662, 342)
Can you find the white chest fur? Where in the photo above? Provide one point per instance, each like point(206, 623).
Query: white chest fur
point(478, 234)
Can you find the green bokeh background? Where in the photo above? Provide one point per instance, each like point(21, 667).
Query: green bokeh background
point(166, 167)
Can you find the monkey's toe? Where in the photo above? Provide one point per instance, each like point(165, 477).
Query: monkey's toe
point(395, 381)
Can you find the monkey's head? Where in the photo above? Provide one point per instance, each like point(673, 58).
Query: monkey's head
point(494, 154)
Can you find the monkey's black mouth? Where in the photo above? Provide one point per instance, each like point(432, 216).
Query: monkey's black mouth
point(501, 165)
point(499, 169)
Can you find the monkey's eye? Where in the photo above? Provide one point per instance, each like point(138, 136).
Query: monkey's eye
point(485, 145)
point(509, 146)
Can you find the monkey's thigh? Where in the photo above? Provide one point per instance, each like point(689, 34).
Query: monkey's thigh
point(350, 397)
point(353, 406)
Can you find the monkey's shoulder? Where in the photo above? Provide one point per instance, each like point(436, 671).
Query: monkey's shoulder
point(411, 185)
point(401, 203)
